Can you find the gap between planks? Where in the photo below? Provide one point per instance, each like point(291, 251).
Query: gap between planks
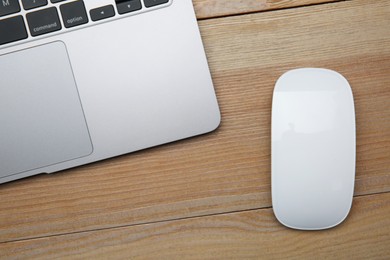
point(162, 221)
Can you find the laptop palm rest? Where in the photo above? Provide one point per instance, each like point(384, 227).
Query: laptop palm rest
point(42, 121)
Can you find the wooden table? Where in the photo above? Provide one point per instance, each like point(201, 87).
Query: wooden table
point(209, 196)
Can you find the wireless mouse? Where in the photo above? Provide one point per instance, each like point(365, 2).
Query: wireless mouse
point(313, 149)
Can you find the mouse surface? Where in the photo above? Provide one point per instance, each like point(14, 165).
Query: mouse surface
point(313, 149)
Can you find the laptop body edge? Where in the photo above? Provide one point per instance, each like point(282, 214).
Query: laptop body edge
point(141, 81)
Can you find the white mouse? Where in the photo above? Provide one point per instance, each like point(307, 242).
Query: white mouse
point(313, 149)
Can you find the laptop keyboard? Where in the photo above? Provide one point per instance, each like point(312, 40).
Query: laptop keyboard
point(24, 19)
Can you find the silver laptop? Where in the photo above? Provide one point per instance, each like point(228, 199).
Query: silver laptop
point(85, 80)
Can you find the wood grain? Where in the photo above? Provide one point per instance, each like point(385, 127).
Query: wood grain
point(217, 8)
point(228, 170)
point(246, 235)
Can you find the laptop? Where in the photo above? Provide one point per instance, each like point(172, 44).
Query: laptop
point(86, 80)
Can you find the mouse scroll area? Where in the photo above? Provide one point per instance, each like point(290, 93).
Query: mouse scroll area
point(313, 149)
point(41, 118)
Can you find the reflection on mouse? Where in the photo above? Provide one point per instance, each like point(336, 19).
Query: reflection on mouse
point(313, 149)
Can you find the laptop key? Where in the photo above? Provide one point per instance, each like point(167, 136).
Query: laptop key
point(102, 13)
point(31, 4)
point(43, 21)
point(12, 29)
point(9, 7)
point(151, 3)
point(128, 6)
point(74, 14)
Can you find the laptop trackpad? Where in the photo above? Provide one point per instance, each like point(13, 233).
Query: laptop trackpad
point(41, 119)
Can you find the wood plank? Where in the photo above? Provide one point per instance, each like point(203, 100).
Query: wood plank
point(246, 235)
point(227, 170)
point(216, 8)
